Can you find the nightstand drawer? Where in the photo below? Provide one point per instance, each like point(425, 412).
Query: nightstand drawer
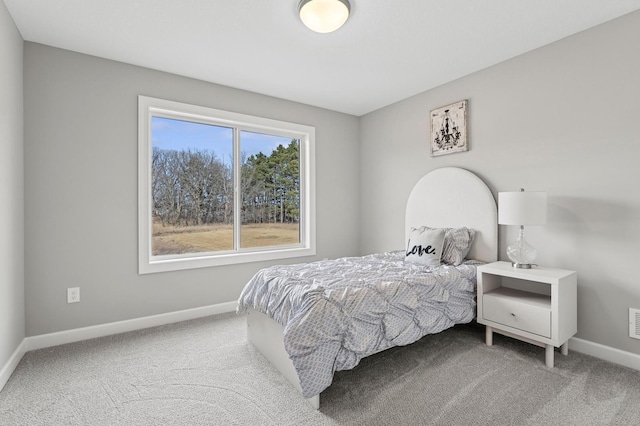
point(507, 306)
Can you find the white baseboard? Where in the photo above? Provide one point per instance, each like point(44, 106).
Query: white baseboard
point(78, 334)
point(11, 364)
point(606, 353)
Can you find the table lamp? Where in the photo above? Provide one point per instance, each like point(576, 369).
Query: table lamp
point(522, 208)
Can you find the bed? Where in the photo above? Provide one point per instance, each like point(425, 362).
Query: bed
point(310, 320)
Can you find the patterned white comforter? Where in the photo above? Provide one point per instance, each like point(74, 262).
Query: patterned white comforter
point(335, 312)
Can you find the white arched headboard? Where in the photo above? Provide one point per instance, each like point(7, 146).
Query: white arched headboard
point(451, 197)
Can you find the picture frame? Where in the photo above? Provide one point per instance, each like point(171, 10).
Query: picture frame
point(449, 129)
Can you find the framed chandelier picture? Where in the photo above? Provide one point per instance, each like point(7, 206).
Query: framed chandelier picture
point(449, 129)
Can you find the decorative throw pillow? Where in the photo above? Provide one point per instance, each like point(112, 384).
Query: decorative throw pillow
point(457, 243)
point(425, 246)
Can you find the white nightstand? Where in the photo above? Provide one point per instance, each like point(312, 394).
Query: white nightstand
point(536, 305)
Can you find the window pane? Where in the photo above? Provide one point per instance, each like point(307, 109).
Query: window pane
point(192, 187)
point(270, 190)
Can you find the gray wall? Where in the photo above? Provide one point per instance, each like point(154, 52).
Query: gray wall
point(12, 317)
point(81, 189)
point(561, 119)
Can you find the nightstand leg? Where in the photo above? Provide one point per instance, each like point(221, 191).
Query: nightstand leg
point(564, 349)
point(548, 355)
point(489, 336)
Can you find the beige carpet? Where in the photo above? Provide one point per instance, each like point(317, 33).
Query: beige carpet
point(203, 372)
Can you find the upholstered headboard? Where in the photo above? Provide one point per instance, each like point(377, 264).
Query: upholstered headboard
point(451, 197)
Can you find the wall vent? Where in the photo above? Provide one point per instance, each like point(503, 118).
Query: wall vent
point(634, 323)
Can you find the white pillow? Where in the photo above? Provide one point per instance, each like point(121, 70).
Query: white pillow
point(457, 243)
point(425, 246)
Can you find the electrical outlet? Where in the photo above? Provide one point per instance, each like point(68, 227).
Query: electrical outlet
point(634, 323)
point(73, 295)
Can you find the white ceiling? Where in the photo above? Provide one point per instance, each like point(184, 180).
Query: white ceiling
point(387, 51)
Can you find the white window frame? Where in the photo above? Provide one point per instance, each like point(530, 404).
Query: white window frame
point(148, 263)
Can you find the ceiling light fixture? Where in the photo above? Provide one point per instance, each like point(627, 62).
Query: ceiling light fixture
point(324, 16)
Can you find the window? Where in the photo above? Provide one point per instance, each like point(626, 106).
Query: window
point(219, 188)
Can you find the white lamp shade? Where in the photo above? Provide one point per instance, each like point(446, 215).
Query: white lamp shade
point(522, 208)
point(324, 16)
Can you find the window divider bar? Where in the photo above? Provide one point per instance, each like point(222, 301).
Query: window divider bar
point(237, 184)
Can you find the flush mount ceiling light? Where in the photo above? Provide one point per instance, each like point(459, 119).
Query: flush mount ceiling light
point(324, 16)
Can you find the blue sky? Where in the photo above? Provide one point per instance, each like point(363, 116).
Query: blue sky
point(182, 135)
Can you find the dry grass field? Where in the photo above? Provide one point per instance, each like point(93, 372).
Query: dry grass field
point(200, 239)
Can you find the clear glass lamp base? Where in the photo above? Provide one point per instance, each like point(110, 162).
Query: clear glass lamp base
point(521, 253)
